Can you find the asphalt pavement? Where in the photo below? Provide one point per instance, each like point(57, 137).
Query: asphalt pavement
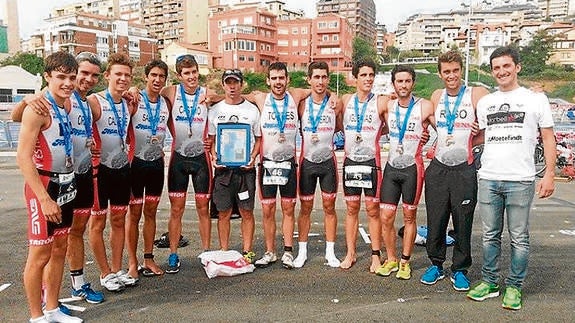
point(314, 293)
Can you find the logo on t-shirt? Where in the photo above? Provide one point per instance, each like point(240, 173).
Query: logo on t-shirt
point(505, 118)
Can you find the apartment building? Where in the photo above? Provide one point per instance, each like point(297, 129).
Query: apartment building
point(332, 41)
point(243, 38)
point(380, 41)
point(172, 21)
point(554, 9)
point(564, 48)
point(360, 14)
point(488, 38)
point(78, 32)
point(294, 43)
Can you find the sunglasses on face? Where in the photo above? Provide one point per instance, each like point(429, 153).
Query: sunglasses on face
point(185, 56)
point(232, 72)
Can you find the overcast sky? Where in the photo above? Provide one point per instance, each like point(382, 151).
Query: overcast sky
point(390, 12)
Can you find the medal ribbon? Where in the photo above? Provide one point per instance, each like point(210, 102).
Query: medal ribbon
point(120, 122)
point(402, 126)
point(314, 121)
point(153, 116)
point(190, 114)
point(281, 118)
point(65, 124)
point(85, 114)
point(451, 115)
point(360, 116)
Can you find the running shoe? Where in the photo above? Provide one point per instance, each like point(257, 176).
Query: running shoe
point(387, 268)
point(249, 256)
point(56, 315)
point(173, 264)
point(460, 282)
point(404, 271)
point(432, 275)
point(512, 298)
point(483, 291)
point(111, 283)
point(287, 260)
point(268, 258)
point(126, 279)
point(86, 292)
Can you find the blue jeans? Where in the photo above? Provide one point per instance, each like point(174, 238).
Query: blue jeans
point(514, 198)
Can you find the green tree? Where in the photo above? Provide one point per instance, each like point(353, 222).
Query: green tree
point(363, 49)
point(30, 62)
point(534, 56)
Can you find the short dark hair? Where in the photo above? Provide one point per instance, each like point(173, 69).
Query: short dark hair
point(62, 62)
point(449, 57)
point(185, 61)
point(402, 68)
point(119, 59)
point(505, 51)
point(277, 66)
point(156, 63)
point(361, 63)
point(317, 65)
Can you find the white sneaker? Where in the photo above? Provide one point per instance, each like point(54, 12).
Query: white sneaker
point(268, 258)
point(299, 261)
point(332, 261)
point(41, 319)
point(56, 315)
point(287, 260)
point(111, 283)
point(126, 279)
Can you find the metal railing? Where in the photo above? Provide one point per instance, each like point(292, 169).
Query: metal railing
point(9, 131)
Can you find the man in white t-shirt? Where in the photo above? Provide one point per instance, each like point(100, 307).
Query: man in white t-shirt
point(234, 182)
point(510, 119)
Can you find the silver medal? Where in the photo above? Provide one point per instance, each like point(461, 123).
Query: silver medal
point(358, 138)
point(314, 138)
point(68, 161)
point(190, 132)
point(281, 138)
point(449, 141)
point(154, 140)
point(89, 142)
point(399, 149)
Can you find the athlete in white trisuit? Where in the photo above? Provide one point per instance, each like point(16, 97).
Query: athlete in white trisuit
point(364, 122)
point(278, 172)
point(111, 118)
point(408, 118)
point(147, 133)
point(188, 127)
point(317, 161)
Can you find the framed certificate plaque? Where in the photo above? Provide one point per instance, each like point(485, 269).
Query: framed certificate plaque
point(233, 144)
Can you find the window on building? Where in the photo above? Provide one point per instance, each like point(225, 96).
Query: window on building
point(242, 58)
point(335, 37)
point(325, 38)
point(229, 45)
point(333, 24)
point(304, 30)
point(5, 95)
point(294, 31)
point(248, 20)
point(283, 31)
point(251, 59)
point(233, 21)
point(322, 25)
point(295, 42)
point(283, 42)
point(303, 42)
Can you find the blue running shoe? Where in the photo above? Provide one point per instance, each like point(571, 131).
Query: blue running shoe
point(173, 264)
point(63, 308)
point(86, 292)
point(460, 282)
point(432, 275)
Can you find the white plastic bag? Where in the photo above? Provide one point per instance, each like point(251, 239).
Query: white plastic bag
point(225, 263)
